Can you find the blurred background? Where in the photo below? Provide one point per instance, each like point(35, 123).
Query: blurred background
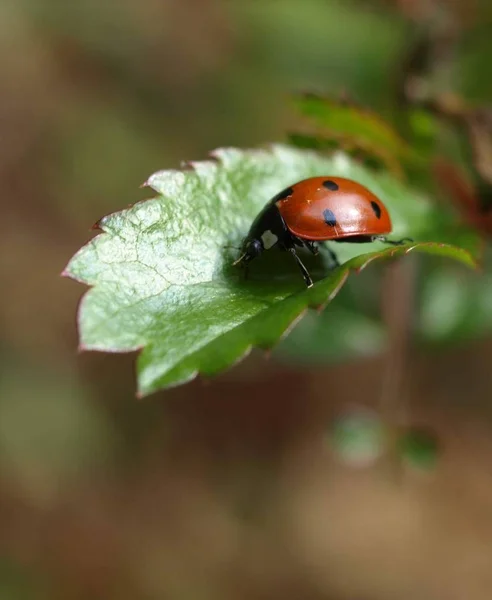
point(232, 488)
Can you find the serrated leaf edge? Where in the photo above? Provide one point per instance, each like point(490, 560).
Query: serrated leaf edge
point(381, 255)
point(215, 157)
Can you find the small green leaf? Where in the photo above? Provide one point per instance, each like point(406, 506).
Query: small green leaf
point(330, 142)
point(359, 438)
point(353, 127)
point(419, 448)
point(161, 276)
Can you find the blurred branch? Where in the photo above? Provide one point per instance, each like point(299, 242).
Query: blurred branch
point(398, 309)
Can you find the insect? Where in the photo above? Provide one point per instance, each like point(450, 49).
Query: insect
point(315, 210)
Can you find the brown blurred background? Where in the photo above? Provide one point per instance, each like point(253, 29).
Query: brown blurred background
point(227, 489)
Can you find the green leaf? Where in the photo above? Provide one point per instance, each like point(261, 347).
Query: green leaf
point(358, 437)
point(331, 142)
point(354, 127)
point(161, 276)
point(419, 448)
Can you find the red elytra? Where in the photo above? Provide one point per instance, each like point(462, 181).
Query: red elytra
point(320, 209)
point(315, 210)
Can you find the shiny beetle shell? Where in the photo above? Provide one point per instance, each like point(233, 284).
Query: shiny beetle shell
point(331, 209)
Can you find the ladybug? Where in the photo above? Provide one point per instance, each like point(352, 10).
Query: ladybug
point(315, 210)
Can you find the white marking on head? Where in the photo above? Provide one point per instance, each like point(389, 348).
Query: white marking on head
point(269, 239)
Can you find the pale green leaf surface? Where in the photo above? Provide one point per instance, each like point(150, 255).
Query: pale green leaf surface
point(161, 276)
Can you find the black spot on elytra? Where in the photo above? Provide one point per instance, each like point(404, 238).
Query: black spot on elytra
point(329, 217)
point(284, 194)
point(330, 185)
point(376, 208)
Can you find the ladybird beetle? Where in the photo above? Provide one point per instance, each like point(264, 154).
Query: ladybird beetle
point(314, 210)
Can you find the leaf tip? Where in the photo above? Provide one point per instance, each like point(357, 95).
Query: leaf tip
point(478, 266)
point(69, 274)
point(148, 183)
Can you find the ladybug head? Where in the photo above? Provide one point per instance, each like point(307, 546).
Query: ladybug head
point(252, 248)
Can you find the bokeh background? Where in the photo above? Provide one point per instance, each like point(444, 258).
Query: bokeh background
point(227, 489)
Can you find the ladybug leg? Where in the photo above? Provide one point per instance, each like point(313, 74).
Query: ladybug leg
point(311, 246)
point(304, 271)
point(385, 240)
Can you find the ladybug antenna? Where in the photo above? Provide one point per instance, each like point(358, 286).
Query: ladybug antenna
point(239, 260)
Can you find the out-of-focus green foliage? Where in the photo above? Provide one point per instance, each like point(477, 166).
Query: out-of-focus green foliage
point(353, 127)
point(359, 438)
point(419, 448)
